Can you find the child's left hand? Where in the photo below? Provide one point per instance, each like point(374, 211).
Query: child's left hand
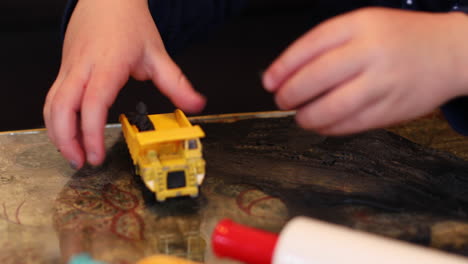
point(372, 68)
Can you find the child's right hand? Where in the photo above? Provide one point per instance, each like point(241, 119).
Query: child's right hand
point(372, 68)
point(106, 42)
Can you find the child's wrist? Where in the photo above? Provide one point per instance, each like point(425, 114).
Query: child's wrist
point(460, 21)
point(117, 3)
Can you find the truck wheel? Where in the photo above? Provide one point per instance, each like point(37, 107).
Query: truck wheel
point(159, 200)
point(196, 195)
point(148, 196)
point(137, 169)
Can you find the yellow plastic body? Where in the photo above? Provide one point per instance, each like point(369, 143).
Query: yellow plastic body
point(163, 259)
point(169, 158)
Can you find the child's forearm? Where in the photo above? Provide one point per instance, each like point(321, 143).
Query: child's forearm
point(105, 5)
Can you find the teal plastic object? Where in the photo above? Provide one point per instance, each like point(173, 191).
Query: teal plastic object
point(83, 259)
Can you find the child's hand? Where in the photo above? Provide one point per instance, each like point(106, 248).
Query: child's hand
point(106, 42)
point(372, 68)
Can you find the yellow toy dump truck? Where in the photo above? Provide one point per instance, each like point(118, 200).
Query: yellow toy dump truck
point(166, 151)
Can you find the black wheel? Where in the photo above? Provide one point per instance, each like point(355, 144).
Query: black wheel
point(137, 169)
point(196, 195)
point(147, 194)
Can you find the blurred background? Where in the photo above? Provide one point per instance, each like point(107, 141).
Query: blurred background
point(224, 65)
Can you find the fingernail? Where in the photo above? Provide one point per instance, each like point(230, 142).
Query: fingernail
point(202, 97)
point(74, 165)
point(92, 157)
point(267, 82)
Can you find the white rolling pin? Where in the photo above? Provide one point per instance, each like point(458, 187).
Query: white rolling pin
point(305, 240)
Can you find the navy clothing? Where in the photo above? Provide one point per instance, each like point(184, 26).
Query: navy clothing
point(180, 21)
point(456, 113)
point(425, 5)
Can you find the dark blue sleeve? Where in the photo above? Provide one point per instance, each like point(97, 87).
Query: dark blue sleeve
point(456, 110)
point(66, 16)
point(180, 21)
point(456, 113)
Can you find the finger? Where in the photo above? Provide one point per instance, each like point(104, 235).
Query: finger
point(358, 122)
point(373, 116)
point(101, 91)
point(321, 74)
point(171, 81)
point(378, 114)
point(341, 103)
point(47, 105)
point(326, 36)
point(62, 75)
point(64, 110)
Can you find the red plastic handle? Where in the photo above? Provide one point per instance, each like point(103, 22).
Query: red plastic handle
point(243, 243)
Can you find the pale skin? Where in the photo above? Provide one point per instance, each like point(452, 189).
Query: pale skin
point(371, 68)
point(366, 69)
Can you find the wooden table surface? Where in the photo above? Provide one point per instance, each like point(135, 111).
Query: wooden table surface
point(409, 182)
